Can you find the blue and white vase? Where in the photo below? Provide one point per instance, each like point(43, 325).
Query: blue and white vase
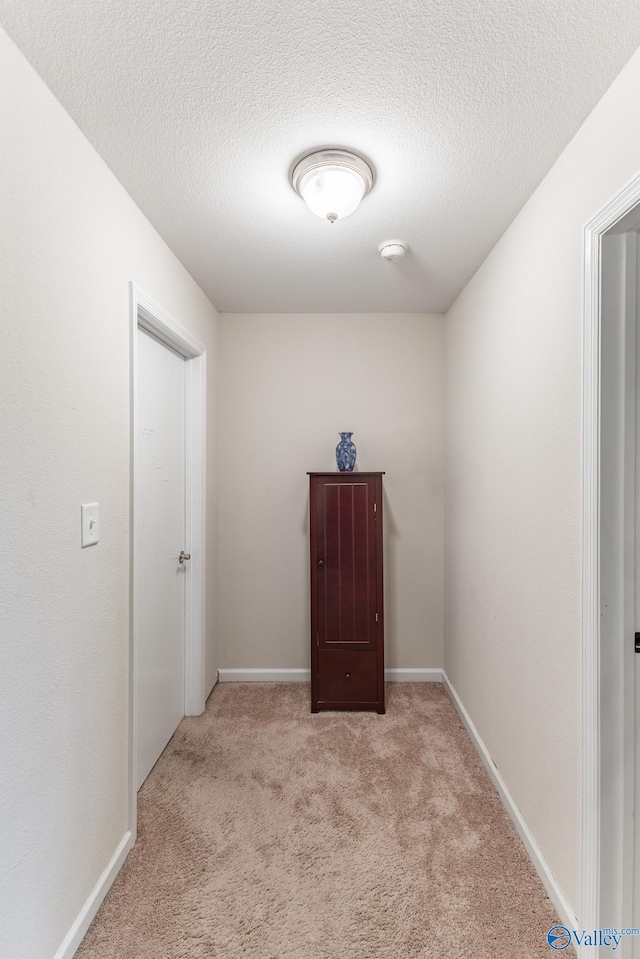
point(346, 453)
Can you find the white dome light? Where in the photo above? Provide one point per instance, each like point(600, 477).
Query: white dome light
point(332, 182)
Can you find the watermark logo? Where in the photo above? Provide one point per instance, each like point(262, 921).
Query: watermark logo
point(560, 938)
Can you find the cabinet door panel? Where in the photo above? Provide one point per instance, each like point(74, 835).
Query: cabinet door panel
point(346, 560)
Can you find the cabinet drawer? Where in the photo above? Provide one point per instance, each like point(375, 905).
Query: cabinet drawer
point(347, 677)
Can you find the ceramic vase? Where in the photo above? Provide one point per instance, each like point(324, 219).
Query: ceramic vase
point(346, 453)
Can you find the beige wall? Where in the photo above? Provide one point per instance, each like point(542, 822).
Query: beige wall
point(288, 385)
point(71, 240)
point(512, 609)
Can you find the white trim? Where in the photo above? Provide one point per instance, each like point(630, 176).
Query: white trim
point(264, 675)
point(413, 675)
point(88, 912)
point(591, 581)
point(132, 801)
point(611, 214)
point(211, 686)
point(154, 319)
point(304, 675)
point(540, 864)
point(145, 313)
point(196, 439)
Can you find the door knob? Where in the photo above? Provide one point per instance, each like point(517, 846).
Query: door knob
point(321, 563)
point(183, 556)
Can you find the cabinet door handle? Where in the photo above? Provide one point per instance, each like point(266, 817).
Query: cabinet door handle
point(321, 563)
point(348, 675)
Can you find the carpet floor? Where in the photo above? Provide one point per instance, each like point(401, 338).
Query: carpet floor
point(266, 832)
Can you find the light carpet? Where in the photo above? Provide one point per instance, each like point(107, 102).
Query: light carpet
point(266, 832)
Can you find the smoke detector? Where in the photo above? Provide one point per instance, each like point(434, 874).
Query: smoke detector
point(393, 250)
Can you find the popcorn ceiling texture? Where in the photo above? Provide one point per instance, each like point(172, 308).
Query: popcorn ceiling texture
point(200, 109)
point(268, 832)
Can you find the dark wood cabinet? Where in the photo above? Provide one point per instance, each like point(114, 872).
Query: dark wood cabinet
point(347, 615)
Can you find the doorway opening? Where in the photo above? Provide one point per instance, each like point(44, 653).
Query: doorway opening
point(166, 341)
point(611, 569)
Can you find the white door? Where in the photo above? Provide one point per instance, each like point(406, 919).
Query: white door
point(159, 537)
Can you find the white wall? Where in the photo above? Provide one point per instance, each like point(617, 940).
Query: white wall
point(512, 608)
point(70, 241)
point(288, 384)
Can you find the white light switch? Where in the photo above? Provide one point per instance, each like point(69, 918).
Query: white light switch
point(90, 523)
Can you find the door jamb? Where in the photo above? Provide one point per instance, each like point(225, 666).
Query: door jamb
point(596, 820)
point(148, 315)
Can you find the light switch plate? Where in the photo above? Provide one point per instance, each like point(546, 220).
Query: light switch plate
point(90, 523)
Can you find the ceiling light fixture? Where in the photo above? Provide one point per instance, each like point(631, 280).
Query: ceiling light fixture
point(332, 182)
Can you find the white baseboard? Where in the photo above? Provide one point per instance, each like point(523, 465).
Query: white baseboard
point(209, 687)
point(87, 914)
point(413, 675)
point(562, 907)
point(304, 675)
point(264, 675)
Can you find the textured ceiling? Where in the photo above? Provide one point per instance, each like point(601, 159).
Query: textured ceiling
point(200, 106)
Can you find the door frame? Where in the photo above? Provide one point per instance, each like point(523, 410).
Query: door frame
point(146, 314)
point(608, 420)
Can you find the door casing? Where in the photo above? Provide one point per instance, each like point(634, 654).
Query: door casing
point(609, 468)
point(150, 316)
